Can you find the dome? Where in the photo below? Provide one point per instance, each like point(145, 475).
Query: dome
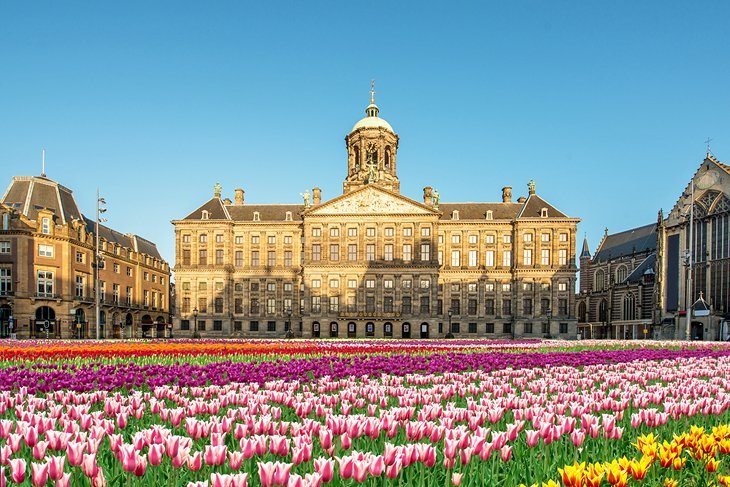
point(372, 120)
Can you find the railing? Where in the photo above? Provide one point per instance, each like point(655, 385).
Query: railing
point(38, 295)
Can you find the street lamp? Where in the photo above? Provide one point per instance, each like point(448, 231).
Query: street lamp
point(549, 315)
point(196, 334)
point(98, 262)
point(450, 334)
point(287, 326)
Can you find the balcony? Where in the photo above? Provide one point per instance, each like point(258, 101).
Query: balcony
point(7, 293)
point(48, 296)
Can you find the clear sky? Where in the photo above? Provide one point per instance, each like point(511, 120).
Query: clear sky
point(606, 105)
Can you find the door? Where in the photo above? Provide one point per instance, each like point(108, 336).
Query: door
point(406, 330)
point(351, 330)
point(315, 329)
point(697, 331)
point(424, 330)
point(334, 329)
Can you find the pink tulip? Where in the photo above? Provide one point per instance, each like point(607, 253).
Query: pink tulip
point(506, 453)
point(239, 480)
point(3, 480)
point(180, 459)
point(14, 442)
point(31, 436)
point(195, 461)
point(266, 473)
point(99, 480)
point(64, 480)
point(377, 466)
point(215, 455)
point(39, 474)
point(89, 466)
point(235, 459)
point(456, 478)
point(155, 453)
point(360, 470)
point(346, 467)
point(141, 465)
point(55, 466)
point(75, 453)
point(220, 480)
point(282, 473)
point(325, 467)
point(39, 450)
point(17, 470)
point(392, 471)
point(533, 438)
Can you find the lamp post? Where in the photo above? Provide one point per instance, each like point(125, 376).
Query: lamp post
point(196, 334)
point(98, 262)
point(688, 294)
point(549, 315)
point(287, 325)
point(450, 334)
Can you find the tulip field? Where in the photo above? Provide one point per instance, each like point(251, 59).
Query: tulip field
point(229, 413)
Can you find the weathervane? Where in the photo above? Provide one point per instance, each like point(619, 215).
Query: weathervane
point(372, 92)
point(707, 142)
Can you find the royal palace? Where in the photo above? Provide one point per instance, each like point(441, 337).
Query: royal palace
point(375, 263)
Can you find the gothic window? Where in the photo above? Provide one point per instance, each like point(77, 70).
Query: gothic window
point(599, 280)
point(621, 274)
point(602, 311)
point(629, 307)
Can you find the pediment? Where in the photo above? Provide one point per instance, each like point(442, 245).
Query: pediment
point(371, 200)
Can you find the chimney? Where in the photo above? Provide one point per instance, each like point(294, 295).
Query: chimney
point(507, 194)
point(521, 199)
point(239, 196)
point(316, 196)
point(428, 196)
point(227, 202)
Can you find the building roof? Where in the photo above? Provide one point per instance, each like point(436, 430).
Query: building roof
point(647, 266)
point(628, 242)
point(266, 212)
point(478, 211)
point(534, 206)
point(586, 252)
point(30, 194)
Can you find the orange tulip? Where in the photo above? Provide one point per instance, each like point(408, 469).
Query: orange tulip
point(670, 483)
point(639, 468)
point(572, 476)
point(615, 475)
point(724, 446)
point(678, 463)
point(712, 464)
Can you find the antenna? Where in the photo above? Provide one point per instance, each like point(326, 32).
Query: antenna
point(43, 163)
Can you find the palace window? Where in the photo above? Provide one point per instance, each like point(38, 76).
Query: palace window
point(425, 231)
point(219, 257)
point(563, 257)
point(334, 232)
point(316, 283)
point(334, 252)
point(406, 283)
point(388, 255)
point(316, 252)
point(506, 258)
point(334, 283)
point(316, 232)
point(370, 283)
point(203, 257)
point(489, 239)
point(473, 239)
point(489, 306)
point(506, 307)
point(489, 259)
point(425, 252)
point(406, 305)
point(271, 258)
point(287, 258)
point(563, 237)
point(527, 237)
point(370, 232)
point(527, 256)
point(239, 258)
point(507, 238)
point(46, 226)
point(407, 231)
point(407, 252)
point(45, 250)
point(352, 283)
point(255, 258)
point(455, 238)
point(370, 252)
point(45, 283)
point(352, 232)
point(334, 304)
point(270, 306)
point(388, 231)
point(545, 257)
point(80, 285)
point(4, 247)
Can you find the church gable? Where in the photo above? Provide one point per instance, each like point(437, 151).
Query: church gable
point(371, 200)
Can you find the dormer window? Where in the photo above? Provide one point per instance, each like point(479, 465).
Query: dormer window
point(490, 215)
point(543, 213)
point(205, 215)
point(256, 216)
point(288, 216)
point(6, 221)
point(455, 215)
point(46, 226)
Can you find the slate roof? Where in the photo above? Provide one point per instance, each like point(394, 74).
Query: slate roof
point(29, 194)
point(478, 211)
point(647, 266)
point(266, 212)
point(533, 208)
point(640, 239)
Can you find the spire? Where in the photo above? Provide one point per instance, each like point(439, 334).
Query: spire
point(709, 152)
point(372, 109)
point(43, 162)
point(531, 186)
point(586, 252)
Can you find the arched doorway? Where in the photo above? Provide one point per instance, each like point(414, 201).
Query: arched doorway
point(146, 323)
point(80, 326)
point(116, 325)
point(369, 329)
point(128, 324)
point(424, 330)
point(388, 329)
point(44, 325)
point(352, 330)
point(315, 329)
point(5, 313)
point(406, 330)
point(334, 329)
point(102, 325)
point(160, 325)
point(698, 331)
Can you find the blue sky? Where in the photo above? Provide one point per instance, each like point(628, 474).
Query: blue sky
point(604, 104)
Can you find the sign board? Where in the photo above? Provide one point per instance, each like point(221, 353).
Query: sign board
point(701, 312)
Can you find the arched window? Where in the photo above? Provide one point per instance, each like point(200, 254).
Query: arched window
point(204, 215)
point(387, 158)
point(582, 312)
point(599, 280)
point(490, 215)
point(629, 307)
point(356, 150)
point(621, 274)
point(602, 311)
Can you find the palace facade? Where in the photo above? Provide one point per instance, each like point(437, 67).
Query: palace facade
point(47, 281)
point(375, 263)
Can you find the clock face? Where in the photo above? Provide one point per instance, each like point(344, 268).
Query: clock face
point(707, 180)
